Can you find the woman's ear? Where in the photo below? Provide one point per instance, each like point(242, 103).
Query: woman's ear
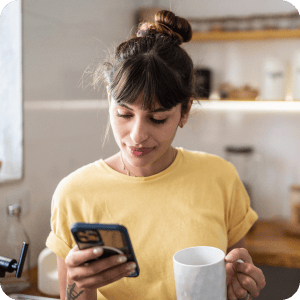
point(186, 114)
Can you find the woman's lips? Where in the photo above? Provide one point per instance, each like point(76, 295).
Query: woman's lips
point(140, 151)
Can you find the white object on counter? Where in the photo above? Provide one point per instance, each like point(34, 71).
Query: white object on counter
point(27, 297)
point(273, 79)
point(48, 273)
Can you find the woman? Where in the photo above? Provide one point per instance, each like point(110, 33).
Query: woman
point(168, 198)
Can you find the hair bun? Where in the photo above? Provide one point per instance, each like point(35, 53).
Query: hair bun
point(177, 24)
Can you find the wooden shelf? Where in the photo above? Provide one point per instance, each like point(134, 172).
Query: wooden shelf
point(245, 35)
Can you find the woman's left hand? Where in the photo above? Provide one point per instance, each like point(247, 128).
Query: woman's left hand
point(242, 278)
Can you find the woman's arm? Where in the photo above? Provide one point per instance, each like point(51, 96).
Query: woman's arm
point(240, 244)
point(73, 291)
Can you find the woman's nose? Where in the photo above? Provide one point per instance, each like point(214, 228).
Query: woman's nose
point(139, 132)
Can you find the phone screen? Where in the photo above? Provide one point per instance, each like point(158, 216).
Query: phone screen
point(108, 238)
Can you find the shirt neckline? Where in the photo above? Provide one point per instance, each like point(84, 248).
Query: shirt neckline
point(167, 171)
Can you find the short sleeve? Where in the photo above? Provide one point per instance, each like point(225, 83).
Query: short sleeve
point(241, 216)
point(59, 239)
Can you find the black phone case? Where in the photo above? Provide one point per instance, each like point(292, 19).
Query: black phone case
point(113, 238)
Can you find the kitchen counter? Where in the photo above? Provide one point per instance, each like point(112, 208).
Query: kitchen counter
point(274, 243)
point(33, 289)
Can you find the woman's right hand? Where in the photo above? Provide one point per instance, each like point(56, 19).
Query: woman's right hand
point(98, 273)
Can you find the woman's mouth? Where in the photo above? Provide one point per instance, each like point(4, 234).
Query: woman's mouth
point(140, 151)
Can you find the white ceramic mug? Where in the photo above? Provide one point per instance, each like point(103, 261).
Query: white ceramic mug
point(200, 274)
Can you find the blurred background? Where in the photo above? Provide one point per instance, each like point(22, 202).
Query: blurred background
point(247, 56)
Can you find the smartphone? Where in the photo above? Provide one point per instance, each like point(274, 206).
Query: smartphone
point(113, 238)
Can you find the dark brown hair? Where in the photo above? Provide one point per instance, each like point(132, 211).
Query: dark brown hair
point(152, 63)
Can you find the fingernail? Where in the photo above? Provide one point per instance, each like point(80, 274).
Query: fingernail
point(131, 273)
point(98, 250)
point(131, 266)
point(229, 257)
point(121, 259)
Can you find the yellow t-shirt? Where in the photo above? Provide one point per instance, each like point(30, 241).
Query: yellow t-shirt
point(198, 200)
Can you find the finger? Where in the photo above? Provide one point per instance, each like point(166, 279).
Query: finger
point(74, 249)
point(239, 291)
point(230, 293)
point(107, 276)
point(99, 281)
point(239, 253)
point(76, 258)
point(254, 273)
point(96, 267)
point(248, 284)
point(99, 266)
point(229, 272)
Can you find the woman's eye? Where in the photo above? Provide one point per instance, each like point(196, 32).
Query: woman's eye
point(155, 121)
point(124, 116)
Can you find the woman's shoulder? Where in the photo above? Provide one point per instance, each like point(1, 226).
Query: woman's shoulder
point(81, 178)
point(200, 156)
point(207, 161)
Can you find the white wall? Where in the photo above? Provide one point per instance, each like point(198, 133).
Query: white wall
point(60, 40)
point(63, 38)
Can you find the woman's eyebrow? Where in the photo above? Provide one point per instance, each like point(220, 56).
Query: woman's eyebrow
point(160, 109)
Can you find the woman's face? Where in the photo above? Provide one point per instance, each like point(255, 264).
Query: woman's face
point(145, 137)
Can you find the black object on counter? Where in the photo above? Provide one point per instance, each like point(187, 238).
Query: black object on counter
point(10, 265)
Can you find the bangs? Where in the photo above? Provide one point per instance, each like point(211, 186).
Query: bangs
point(144, 74)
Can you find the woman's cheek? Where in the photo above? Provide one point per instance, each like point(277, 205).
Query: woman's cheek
point(168, 132)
